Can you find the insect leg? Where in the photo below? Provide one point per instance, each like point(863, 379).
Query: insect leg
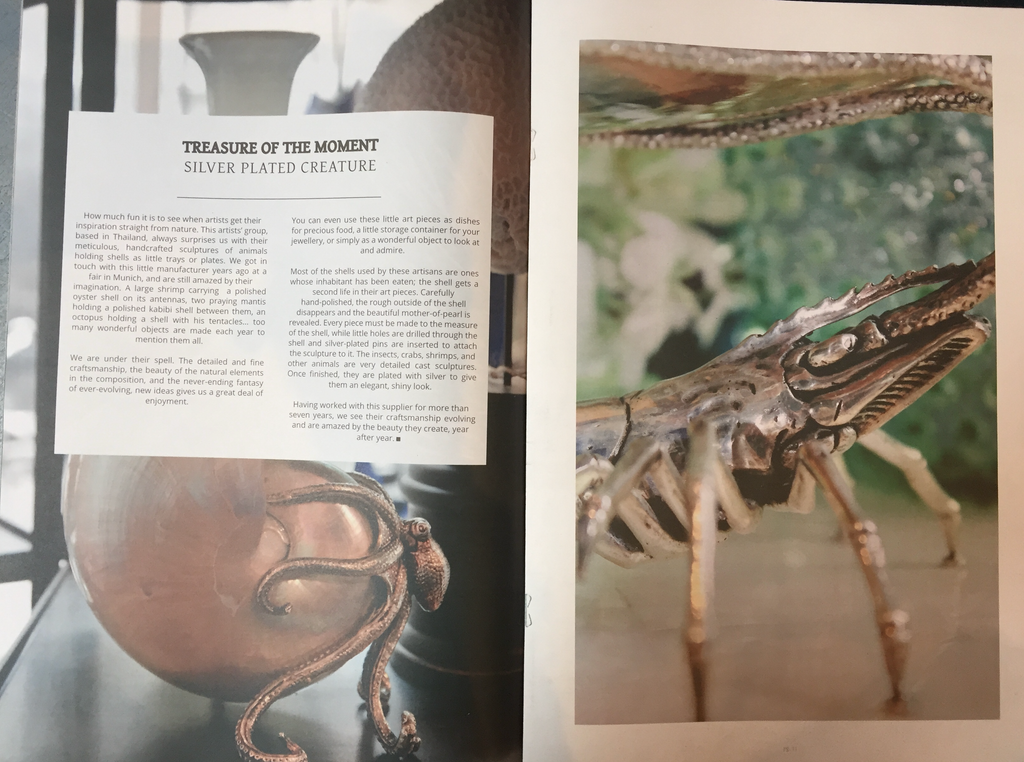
point(694, 497)
point(920, 478)
point(863, 535)
point(618, 495)
point(707, 486)
point(801, 494)
point(700, 495)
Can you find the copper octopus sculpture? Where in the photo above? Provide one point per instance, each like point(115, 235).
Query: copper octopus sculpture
point(406, 563)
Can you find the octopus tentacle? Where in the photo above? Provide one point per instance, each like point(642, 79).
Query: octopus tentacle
point(336, 493)
point(364, 681)
point(406, 742)
point(372, 564)
point(372, 484)
point(380, 623)
point(382, 630)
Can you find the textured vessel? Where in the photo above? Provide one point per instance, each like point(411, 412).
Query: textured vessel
point(169, 552)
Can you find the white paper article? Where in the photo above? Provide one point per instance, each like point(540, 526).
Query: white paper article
point(272, 287)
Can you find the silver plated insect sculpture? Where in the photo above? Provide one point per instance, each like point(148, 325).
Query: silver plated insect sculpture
point(661, 471)
point(757, 426)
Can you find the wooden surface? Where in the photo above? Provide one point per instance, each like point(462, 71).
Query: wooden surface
point(72, 694)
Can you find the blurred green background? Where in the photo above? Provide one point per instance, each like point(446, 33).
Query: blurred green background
point(684, 252)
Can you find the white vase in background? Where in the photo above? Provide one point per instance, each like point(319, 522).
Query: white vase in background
point(248, 73)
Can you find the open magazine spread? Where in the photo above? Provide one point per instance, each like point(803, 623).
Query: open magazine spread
point(766, 481)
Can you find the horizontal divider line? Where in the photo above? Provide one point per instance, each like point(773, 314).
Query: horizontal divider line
point(274, 198)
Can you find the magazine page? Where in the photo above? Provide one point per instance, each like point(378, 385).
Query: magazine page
point(177, 318)
point(285, 396)
point(786, 530)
